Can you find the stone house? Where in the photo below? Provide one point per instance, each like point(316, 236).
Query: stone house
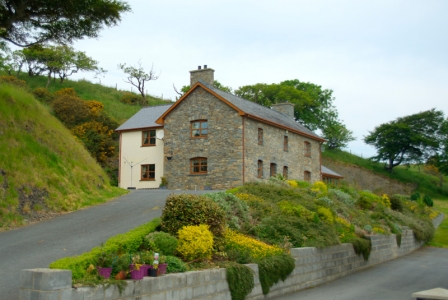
point(213, 139)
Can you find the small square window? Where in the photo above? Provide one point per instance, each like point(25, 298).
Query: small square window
point(149, 138)
point(198, 165)
point(148, 172)
point(199, 129)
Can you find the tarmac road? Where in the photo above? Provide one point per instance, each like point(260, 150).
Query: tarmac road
point(423, 269)
point(37, 245)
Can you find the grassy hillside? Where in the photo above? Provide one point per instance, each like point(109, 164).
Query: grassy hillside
point(43, 169)
point(412, 178)
point(86, 90)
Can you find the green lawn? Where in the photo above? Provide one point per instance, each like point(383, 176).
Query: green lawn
point(441, 235)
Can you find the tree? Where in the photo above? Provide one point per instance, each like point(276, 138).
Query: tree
point(408, 139)
point(137, 76)
point(26, 23)
point(62, 60)
point(337, 135)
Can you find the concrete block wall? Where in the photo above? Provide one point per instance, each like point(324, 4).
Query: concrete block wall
point(313, 267)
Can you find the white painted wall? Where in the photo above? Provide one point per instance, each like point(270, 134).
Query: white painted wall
point(132, 153)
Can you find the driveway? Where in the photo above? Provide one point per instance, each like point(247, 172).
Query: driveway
point(37, 245)
point(423, 269)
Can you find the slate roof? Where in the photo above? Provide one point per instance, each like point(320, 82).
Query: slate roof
point(325, 170)
point(262, 112)
point(145, 117)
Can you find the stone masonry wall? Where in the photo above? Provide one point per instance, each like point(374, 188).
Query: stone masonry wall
point(272, 152)
point(313, 267)
point(222, 147)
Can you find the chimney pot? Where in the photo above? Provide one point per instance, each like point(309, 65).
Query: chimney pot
point(205, 66)
point(199, 67)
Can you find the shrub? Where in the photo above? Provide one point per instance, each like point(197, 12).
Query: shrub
point(396, 203)
point(162, 242)
point(175, 264)
point(236, 210)
point(325, 214)
point(428, 201)
point(133, 99)
point(292, 183)
point(277, 181)
point(240, 279)
point(415, 196)
point(272, 269)
point(386, 200)
point(43, 95)
point(325, 200)
point(298, 210)
point(95, 107)
point(320, 188)
point(303, 184)
point(13, 80)
point(342, 197)
point(362, 246)
point(65, 92)
point(97, 138)
point(71, 110)
point(183, 210)
point(255, 248)
point(195, 242)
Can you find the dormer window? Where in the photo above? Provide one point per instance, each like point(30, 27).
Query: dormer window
point(199, 129)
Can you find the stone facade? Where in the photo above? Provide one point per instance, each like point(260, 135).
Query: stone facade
point(222, 147)
point(272, 151)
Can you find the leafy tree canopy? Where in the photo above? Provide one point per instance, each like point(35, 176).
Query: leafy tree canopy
point(25, 23)
point(408, 139)
point(137, 76)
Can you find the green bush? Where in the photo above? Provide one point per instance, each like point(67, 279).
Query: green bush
point(303, 184)
point(175, 264)
point(43, 95)
point(133, 99)
point(272, 269)
point(342, 197)
point(415, 196)
point(162, 242)
point(185, 210)
point(236, 210)
point(428, 201)
point(396, 203)
point(362, 246)
point(240, 279)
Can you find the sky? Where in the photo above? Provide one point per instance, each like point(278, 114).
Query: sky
point(382, 59)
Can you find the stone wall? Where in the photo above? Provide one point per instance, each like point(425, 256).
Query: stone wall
point(222, 147)
point(272, 152)
point(313, 267)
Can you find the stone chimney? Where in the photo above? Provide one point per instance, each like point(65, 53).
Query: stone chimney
point(285, 108)
point(205, 74)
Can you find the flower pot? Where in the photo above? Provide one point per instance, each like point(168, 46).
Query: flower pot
point(104, 272)
point(162, 269)
point(152, 272)
point(137, 272)
point(121, 275)
point(145, 269)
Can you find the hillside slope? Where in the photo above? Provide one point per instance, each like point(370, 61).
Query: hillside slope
point(366, 174)
point(43, 169)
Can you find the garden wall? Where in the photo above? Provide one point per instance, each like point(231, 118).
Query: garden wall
point(313, 267)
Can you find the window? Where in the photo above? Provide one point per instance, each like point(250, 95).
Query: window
point(285, 172)
point(260, 169)
point(198, 165)
point(307, 149)
point(285, 143)
point(260, 136)
point(148, 172)
point(273, 169)
point(307, 176)
point(199, 129)
point(149, 138)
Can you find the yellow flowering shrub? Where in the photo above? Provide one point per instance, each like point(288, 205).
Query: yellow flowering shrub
point(386, 200)
point(298, 210)
point(95, 107)
point(342, 221)
point(257, 249)
point(378, 230)
point(292, 183)
point(255, 202)
point(195, 242)
point(320, 188)
point(325, 214)
point(433, 214)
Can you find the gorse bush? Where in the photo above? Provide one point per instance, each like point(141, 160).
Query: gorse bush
point(236, 210)
point(14, 81)
point(183, 210)
point(256, 249)
point(161, 242)
point(325, 214)
point(43, 95)
point(195, 242)
point(320, 189)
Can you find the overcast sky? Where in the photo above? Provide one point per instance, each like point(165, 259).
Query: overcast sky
point(382, 59)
